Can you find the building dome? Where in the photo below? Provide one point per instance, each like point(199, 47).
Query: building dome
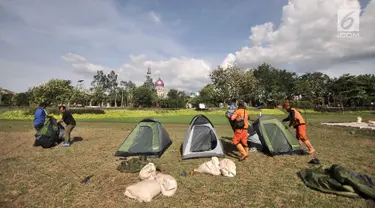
point(159, 83)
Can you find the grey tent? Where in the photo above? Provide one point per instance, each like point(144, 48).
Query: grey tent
point(253, 139)
point(275, 138)
point(201, 140)
point(147, 138)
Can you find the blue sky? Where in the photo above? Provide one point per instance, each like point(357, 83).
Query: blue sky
point(181, 40)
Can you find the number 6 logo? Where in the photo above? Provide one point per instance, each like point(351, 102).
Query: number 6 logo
point(348, 20)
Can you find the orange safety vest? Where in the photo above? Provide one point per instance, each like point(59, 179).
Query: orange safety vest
point(240, 115)
point(298, 119)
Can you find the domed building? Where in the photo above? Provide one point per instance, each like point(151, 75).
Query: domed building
point(161, 91)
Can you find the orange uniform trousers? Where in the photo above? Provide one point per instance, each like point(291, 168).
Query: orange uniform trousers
point(301, 133)
point(240, 136)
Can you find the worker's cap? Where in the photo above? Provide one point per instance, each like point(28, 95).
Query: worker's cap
point(241, 103)
point(286, 104)
point(43, 104)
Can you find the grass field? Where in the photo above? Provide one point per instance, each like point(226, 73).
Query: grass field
point(36, 177)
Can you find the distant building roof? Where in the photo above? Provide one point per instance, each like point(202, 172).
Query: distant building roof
point(5, 91)
point(159, 83)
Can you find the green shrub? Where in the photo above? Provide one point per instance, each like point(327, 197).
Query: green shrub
point(73, 111)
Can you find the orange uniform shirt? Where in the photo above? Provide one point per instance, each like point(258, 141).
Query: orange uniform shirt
point(239, 114)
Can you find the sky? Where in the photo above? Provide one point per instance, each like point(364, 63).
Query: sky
point(180, 40)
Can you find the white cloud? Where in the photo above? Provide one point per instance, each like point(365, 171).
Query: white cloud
point(155, 17)
point(182, 73)
point(307, 40)
point(70, 57)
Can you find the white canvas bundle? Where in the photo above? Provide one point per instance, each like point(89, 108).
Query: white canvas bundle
point(211, 167)
point(228, 168)
point(148, 172)
point(168, 184)
point(143, 191)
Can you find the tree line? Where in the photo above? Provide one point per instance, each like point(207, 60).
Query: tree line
point(264, 86)
point(105, 91)
point(268, 86)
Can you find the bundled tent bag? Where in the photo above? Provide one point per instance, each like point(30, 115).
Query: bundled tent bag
point(232, 123)
point(133, 165)
point(143, 191)
point(51, 134)
point(148, 172)
point(339, 180)
point(227, 168)
point(168, 184)
point(211, 167)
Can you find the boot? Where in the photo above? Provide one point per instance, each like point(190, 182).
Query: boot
point(242, 151)
point(310, 147)
point(247, 152)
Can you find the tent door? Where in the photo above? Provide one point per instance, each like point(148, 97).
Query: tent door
point(143, 141)
point(202, 139)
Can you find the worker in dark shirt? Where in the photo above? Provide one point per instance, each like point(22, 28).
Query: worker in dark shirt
point(70, 122)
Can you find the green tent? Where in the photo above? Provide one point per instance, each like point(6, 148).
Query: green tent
point(147, 138)
point(275, 138)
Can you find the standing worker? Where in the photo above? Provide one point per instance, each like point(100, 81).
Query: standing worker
point(70, 122)
point(297, 121)
point(241, 118)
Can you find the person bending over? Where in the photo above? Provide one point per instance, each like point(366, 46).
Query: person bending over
point(70, 122)
point(297, 121)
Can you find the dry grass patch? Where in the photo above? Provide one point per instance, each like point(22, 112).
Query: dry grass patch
point(36, 177)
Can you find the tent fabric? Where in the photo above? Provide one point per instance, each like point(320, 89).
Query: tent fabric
point(275, 138)
point(51, 134)
point(147, 138)
point(338, 180)
point(201, 140)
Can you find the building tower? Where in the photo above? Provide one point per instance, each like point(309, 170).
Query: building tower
point(148, 76)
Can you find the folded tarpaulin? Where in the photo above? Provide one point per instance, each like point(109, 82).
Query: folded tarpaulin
point(339, 180)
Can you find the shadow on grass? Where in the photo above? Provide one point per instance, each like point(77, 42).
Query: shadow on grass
point(228, 148)
point(76, 139)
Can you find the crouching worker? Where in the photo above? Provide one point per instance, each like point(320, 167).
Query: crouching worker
point(241, 118)
point(39, 119)
point(70, 122)
point(297, 121)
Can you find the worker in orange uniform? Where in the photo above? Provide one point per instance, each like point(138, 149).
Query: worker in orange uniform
point(297, 121)
point(241, 118)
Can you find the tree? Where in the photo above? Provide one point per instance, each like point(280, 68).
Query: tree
point(112, 86)
point(100, 85)
point(144, 97)
point(208, 95)
point(313, 87)
point(55, 91)
point(128, 92)
point(176, 99)
point(79, 97)
point(275, 84)
point(228, 83)
point(22, 99)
